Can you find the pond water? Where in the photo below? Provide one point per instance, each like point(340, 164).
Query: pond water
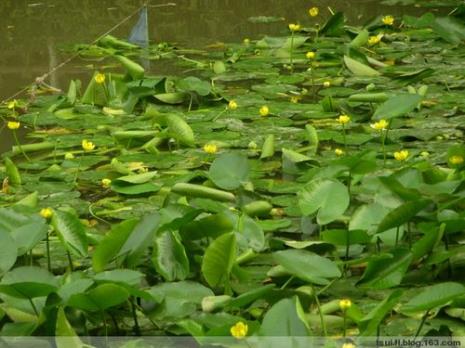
point(32, 33)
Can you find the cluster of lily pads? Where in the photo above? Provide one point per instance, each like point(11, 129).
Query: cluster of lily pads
point(303, 185)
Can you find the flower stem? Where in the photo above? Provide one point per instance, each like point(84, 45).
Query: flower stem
point(15, 136)
point(322, 320)
point(291, 52)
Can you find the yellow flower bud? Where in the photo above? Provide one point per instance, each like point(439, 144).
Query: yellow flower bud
point(12, 104)
point(106, 183)
point(87, 145)
point(373, 40)
point(294, 27)
point(313, 12)
point(100, 78)
point(343, 119)
point(381, 125)
point(264, 110)
point(210, 148)
point(345, 304)
point(46, 213)
point(310, 55)
point(401, 155)
point(239, 330)
point(326, 84)
point(339, 152)
point(388, 20)
point(13, 125)
point(232, 105)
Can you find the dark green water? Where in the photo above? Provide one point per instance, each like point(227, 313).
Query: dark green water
point(32, 32)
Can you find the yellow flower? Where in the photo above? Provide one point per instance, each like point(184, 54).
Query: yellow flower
point(456, 160)
point(12, 104)
point(295, 99)
point(424, 154)
point(310, 55)
point(343, 119)
point(246, 41)
point(100, 78)
point(381, 125)
point(373, 40)
point(345, 304)
point(348, 345)
point(326, 84)
point(87, 145)
point(210, 148)
point(294, 27)
point(388, 20)
point(69, 156)
point(401, 155)
point(239, 330)
point(264, 110)
point(313, 12)
point(106, 183)
point(13, 125)
point(232, 105)
point(46, 213)
point(339, 152)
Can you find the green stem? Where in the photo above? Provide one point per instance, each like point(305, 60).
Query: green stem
point(15, 136)
point(344, 136)
point(322, 320)
point(134, 317)
point(287, 283)
point(344, 333)
point(47, 245)
point(291, 52)
point(34, 307)
point(383, 140)
point(423, 320)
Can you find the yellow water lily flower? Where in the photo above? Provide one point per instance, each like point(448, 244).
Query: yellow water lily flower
point(264, 110)
point(100, 78)
point(87, 145)
point(339, 152)
point(310, 55)
point(343, 119)
point(348, 345)
point(373, 40)
point(401, 155)
point(239, 330)
point(456, 160)
point(46, 213)
point(345, 304)
point(294, 27)
point(295, 99)
point(13, 125)
point(106, 183)
point(326, 84)
point(388, 20)
point(232, 105)
point(12, 104)
point(313, 12)
point(381, 125)
point(210, 148)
